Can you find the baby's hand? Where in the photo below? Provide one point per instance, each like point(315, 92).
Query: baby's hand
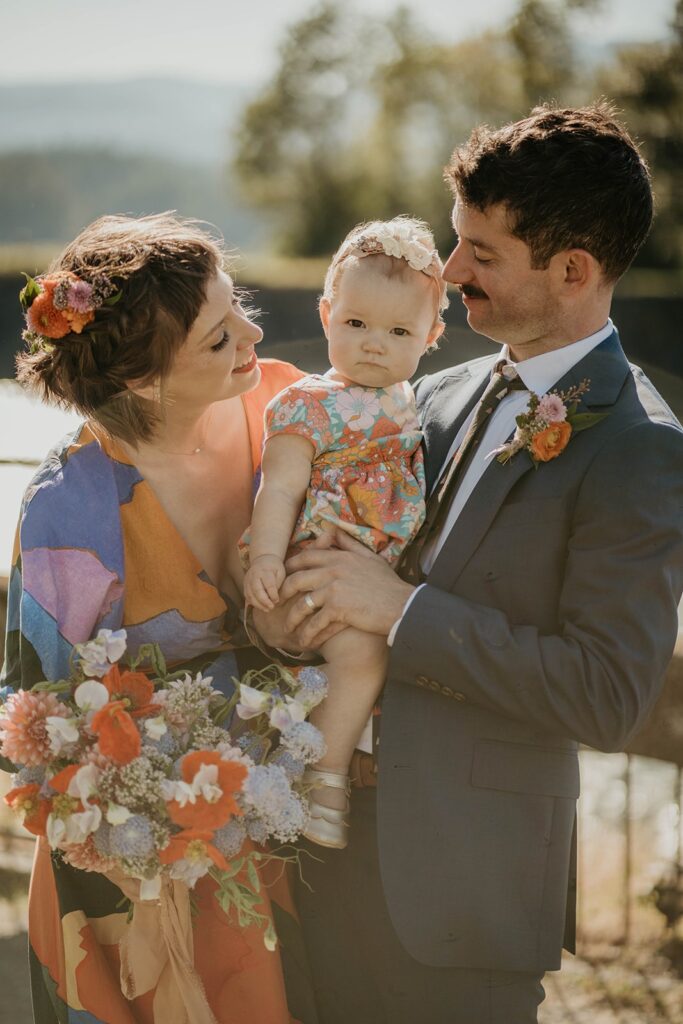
point(262, 582)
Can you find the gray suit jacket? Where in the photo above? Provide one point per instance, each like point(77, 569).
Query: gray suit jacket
point(548, 620)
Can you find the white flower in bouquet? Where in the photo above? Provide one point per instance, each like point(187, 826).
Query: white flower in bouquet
point(97, 656)
point(156, 727)
point(285, 713)
point(63, 734)
point(252, 702)
point(91, 695)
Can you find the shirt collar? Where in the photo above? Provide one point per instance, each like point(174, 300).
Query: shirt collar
point(540, 373)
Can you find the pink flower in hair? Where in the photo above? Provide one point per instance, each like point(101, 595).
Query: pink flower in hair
point(551, 409)
point(79, 297)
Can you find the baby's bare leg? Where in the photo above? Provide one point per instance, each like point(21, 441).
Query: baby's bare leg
point(355, 667)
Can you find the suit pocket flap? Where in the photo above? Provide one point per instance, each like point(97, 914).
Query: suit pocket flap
point(519, 768)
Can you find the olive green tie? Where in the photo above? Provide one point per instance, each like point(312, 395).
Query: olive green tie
point(504, 379)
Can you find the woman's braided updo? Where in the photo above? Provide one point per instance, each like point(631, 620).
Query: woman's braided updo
point(161, 266)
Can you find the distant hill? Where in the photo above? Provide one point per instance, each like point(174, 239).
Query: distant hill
point(182, 120)
point(70, 152)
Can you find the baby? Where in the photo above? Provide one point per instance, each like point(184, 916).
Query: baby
point(342, 450)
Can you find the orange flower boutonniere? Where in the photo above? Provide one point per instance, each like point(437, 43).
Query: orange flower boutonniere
point(549, 422)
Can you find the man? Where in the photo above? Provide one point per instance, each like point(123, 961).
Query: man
point(540, 609)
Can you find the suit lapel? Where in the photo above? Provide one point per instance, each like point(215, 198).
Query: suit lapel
point(606, 368)
point(445, 411)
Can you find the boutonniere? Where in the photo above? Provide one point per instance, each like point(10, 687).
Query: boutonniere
point(545, 428)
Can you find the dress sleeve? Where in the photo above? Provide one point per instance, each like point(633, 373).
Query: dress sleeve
point(300, 410)
point(66, 580)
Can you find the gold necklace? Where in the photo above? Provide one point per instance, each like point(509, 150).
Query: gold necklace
point(195, 451)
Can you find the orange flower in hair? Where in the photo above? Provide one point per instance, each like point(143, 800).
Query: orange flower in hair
point(118, 736)
point(42, 315)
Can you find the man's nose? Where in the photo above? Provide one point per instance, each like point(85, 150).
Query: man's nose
point(457, 269)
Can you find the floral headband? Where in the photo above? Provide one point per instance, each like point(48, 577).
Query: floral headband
point(62, 303)
point(400, 242)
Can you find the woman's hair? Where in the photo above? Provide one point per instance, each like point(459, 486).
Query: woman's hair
point(568, 178)
point(160, 267)
point(399, 246)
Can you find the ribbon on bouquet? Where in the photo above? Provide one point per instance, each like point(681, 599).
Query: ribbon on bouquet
point(157, 951)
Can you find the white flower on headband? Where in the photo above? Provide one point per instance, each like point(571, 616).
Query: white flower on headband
point(399, 242)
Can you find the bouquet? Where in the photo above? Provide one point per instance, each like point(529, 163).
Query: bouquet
point(131, 773)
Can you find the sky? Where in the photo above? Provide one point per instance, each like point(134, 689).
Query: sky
point(224, 40)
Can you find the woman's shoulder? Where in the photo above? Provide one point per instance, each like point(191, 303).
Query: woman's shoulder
point(77, 483)
point(275, 376)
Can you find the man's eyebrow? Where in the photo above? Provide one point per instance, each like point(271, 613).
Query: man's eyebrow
point(478, 243)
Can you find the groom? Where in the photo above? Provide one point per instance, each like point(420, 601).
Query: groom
point(536, 612)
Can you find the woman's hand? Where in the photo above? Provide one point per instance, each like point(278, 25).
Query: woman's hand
point(340, 585)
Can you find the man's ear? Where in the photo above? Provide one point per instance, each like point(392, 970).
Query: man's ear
point(579, 268)
point(324, 310)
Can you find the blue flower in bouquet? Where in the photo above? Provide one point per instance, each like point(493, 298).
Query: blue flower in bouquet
point(291, 766)
point(313, 686)
point(102, 839)
point(5, 693)
point(133, 840)
point(229, 839)
point(30, 774)
point(267, 792)
point(304, 742)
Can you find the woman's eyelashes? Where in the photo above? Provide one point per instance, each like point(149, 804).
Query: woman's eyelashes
point(222, 342)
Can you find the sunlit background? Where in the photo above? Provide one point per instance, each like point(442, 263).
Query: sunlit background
point(284, 123)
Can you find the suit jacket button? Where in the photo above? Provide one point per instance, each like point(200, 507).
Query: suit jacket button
point(459, 696)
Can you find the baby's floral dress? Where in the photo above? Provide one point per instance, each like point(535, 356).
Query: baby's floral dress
point(367, 475)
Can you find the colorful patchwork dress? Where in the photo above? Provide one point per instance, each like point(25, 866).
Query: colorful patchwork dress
point(367, 475)
point(95, 549)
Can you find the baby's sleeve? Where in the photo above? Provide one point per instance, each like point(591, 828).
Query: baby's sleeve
point(299, 410)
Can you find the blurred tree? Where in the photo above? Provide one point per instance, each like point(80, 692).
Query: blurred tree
point(293, 139)
point(646, 81)
point(540, 34)
point(363, 113)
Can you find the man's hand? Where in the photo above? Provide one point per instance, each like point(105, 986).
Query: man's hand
point(347, 584)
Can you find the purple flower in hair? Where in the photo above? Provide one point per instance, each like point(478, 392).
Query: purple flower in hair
point(80, 297)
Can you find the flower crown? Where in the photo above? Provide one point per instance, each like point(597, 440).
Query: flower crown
point(400, 241)
point(62, 303)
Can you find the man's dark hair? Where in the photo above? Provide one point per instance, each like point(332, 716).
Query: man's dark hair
point(570, 179)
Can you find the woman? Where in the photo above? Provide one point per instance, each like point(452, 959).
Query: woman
point(132, 522)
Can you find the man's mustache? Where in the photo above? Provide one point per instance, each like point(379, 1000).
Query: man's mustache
point(471, 292)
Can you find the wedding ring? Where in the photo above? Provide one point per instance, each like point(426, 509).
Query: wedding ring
point(309, 602)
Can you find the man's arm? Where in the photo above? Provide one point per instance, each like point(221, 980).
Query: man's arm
point(598, 677)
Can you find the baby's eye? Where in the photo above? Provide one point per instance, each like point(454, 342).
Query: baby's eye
point(222, 342)
point(355, 323)
point(400, 331)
